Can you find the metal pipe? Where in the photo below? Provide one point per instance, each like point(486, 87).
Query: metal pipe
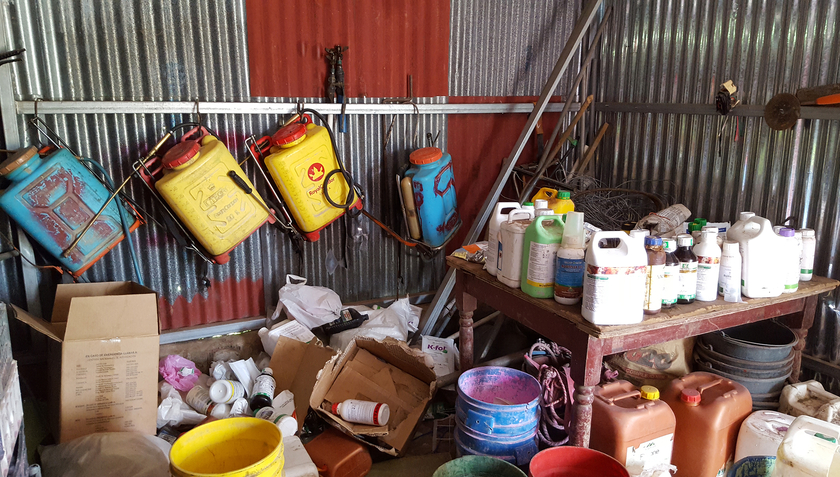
point(506, 360)
point(478, 323)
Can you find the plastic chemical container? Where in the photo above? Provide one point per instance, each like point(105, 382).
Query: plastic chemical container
point(500, 214)
point(53, 198)
point(299, 162)
point(810, 399)
point(790, 258)
point(762, 270)
point(363, 412)
point(614, 281)
point(761, 433)
point(197, 187)
point(542, 240)
point(338, 455)
point(559, 202)
point(632, 425)
point(298, 463)
point(806, 261)
point(729, 279)
point(709, 412)
point(511, 241)
point(708, 265)
point(226, 391)
point(654, 275)
point(671, 274)
point(434, 194)
point(570, 263)
point(809, 449)
point(263, 389)
point(199, 399)
point(688, 269)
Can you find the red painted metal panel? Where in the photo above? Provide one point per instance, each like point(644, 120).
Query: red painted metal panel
point(479, 144)
point(225, 300)
point(388, 41)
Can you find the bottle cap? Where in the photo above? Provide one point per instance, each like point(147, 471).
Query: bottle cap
point(690, 395)
point(541, 212)
point(564, 194)
point(669, 244)
point(288, 425)
point(653, 241)
point(636, 233)
point(180, 154)
point(20, 157)
point(527, 204)
point(427, 155)
point(746, 215)
point(709, 232)
point(808, 232)
point(540, 204)
point(700, 221)
point(573, 236)
point(730, 246)
point(786, 232)
point(694, 227)
point(710, 228)
point(650, 393)
point(268, 371)
point(334, 409)
point(685, 240)
point(288, 134)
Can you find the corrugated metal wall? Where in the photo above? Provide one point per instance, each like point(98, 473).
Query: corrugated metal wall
point(188, 51)
point(680, 52)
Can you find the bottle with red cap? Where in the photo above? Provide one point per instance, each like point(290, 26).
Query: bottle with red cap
point(198, 186)
point(434, 194)
point(301, 159)
point(709, 411)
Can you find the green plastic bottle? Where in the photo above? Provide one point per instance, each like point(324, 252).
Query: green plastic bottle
point(539, 251)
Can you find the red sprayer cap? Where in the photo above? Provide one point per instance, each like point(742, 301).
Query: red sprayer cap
point(335, 409)
point(288, 134)
point(427, 155)
point(180, 154)
point(691, 396)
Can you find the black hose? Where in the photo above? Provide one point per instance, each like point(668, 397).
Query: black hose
point(347, 177)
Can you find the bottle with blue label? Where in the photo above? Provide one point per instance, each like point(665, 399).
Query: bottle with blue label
point(568, 275)
point(434, 194)
point(53, 198)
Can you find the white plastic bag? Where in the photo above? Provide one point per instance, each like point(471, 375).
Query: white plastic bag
point(173, 410)
point(106, 453)
point(394, 322)
point(288, 328)
point(311, 306)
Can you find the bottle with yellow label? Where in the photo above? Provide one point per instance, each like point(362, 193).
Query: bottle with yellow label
point(197, 187)
point(559, 202)
point(301, 158)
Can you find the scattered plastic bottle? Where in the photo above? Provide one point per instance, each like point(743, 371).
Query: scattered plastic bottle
point(790, 259)
point(688, 269)
point(708, 265)
point(671, 274)
point(729, 277)
point(363, 412)
point(655, 275)
point(806, 261)
point(226, 391)
point(570, 264)
point(263, 391)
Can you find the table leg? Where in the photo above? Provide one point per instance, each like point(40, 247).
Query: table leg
point(800, 323)
point(586, 373)
point(466, 304)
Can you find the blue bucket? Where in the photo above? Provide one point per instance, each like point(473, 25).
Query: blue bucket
point(753, 466)
point(497, 414)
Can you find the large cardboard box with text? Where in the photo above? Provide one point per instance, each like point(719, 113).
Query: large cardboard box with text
point(103, 359)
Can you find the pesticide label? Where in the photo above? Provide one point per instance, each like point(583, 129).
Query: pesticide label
point(671, 284)
point(264, 384)
point(199, 399)
point(708, 272)
point(499, 257)
point(654, 286)
point(607, 287)
point(688, 281)
point(568, 277)
point(541, 264)
point(649, 455)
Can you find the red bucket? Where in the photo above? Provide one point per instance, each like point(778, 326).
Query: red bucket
point(575, 462)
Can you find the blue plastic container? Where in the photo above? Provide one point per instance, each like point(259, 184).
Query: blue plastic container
point(53, 198)
point(753, 466)
point(434, 194)
point(497, 414)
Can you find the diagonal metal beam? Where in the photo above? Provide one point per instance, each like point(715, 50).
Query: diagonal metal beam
point(427, 321)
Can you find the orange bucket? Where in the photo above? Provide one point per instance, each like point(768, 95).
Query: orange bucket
point(575, 462)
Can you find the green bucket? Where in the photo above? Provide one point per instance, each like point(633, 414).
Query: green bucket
point(478, 466)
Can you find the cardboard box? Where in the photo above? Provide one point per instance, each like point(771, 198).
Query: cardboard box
point(381, 371)
point(106, 354)
point(296, 365)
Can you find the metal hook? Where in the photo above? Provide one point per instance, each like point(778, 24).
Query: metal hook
point(197, 112)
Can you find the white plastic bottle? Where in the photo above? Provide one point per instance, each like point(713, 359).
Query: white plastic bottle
point(287, 424)
point(810, 448)
point(671, 279)
point(790, 259)
point(806, 262)
point(708, 265)
point(761, 269)
point(199, 399)
point(511, 242)
point(729, 279)
point(614, 280)
point(363, 412)
point(500, 214)
point(568, 277)
point(226, 391)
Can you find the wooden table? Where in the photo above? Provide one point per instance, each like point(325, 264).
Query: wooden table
point(589, 343)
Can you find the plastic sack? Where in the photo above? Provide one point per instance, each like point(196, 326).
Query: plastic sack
point(392, 322)
point(311, 306)
point(288, 328)
point(180, 372)
point(106, 453)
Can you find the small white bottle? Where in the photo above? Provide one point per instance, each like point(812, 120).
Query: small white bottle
point(570, 264)
point(226, 391)
point(729, 282)
point(790, 260)
point(199, 399)
point(363, 412)
point(708, 265)
point(809, 248)
point(288, 424)
point(671, 274)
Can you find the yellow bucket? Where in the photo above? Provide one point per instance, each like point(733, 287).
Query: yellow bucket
point(235, 447)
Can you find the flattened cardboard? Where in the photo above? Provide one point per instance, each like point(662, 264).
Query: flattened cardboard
point(296, 365)
point(387, 371)
point(105, 358)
